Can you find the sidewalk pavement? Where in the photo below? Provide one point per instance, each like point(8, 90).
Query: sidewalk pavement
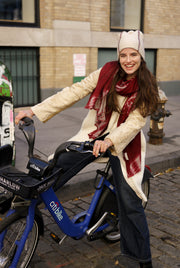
point(64, 125)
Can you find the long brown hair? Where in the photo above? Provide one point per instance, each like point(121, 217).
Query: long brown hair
point(147, 97)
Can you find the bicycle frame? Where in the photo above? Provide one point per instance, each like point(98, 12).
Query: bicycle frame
point(77, 227)
point(68, 227)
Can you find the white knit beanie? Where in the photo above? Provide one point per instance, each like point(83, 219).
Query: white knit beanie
point(131, 39)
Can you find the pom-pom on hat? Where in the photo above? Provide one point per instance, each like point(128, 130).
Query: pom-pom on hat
point(131, 39)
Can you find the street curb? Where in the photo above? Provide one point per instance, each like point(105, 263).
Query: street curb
point(162, 162)
point(84, 183)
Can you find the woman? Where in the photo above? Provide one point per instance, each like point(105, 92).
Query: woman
point(123, 94)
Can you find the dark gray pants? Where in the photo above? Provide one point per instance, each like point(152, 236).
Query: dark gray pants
point(133, 225)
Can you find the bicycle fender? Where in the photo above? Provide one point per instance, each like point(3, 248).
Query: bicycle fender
point(40, 222)
point(21, 212)
point(147, 174)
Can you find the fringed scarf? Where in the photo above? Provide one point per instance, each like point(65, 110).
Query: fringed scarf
point(97, 101)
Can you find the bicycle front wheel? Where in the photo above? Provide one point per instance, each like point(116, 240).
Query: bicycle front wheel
point(11, 229)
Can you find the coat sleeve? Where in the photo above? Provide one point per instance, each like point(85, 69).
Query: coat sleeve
point(124, 134)
point(66, 97)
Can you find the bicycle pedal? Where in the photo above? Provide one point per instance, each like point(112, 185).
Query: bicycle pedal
point(57, 239)
point(95, 236)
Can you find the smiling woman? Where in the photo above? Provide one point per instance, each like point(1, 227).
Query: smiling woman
point(123, 93)
point(130, 60)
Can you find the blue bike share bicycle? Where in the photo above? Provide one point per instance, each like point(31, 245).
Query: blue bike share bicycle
point(22, 222)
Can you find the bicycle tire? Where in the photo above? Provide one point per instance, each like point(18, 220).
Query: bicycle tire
point(108, 203)
point(14, 226)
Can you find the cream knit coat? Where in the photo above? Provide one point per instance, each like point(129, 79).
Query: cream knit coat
point(120, 136)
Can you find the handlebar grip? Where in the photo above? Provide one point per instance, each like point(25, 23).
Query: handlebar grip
point(26, 122)
point(26, 125)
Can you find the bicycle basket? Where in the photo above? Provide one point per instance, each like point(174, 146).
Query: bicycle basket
point(23, 184)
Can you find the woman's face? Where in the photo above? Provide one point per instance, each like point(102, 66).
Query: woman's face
point(130, 60)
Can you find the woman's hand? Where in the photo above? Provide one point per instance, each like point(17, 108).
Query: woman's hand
point(26, 113)
point(101, 146)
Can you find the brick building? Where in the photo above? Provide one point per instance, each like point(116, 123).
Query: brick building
point(43, 42)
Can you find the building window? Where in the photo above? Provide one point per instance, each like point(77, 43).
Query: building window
point(126, 15)
point(19, 12)
point(23, 64)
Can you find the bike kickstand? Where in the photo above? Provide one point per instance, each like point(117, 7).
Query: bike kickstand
point(62, 239)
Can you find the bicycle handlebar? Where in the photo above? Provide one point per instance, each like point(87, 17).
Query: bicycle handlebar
point(84, 147)
point(81, 147)
point(26, 125)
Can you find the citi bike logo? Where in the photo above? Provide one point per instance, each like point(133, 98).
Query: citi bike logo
point(55, 207)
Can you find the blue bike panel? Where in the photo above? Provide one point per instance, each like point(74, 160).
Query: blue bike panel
point(60, 216)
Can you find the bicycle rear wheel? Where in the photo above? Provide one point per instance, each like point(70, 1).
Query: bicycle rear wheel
point(12, 229)
point(108, 203)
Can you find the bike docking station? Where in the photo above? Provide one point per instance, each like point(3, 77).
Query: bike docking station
point(22, 222)
point(7, 140)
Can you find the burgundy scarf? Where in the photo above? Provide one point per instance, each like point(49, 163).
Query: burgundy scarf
point(97, 101)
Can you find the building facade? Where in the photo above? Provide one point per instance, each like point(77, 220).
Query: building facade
point(50, 44)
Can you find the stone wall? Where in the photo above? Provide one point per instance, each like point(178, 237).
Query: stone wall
point(93, 11)
point(57, 68)
point(162, 17)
